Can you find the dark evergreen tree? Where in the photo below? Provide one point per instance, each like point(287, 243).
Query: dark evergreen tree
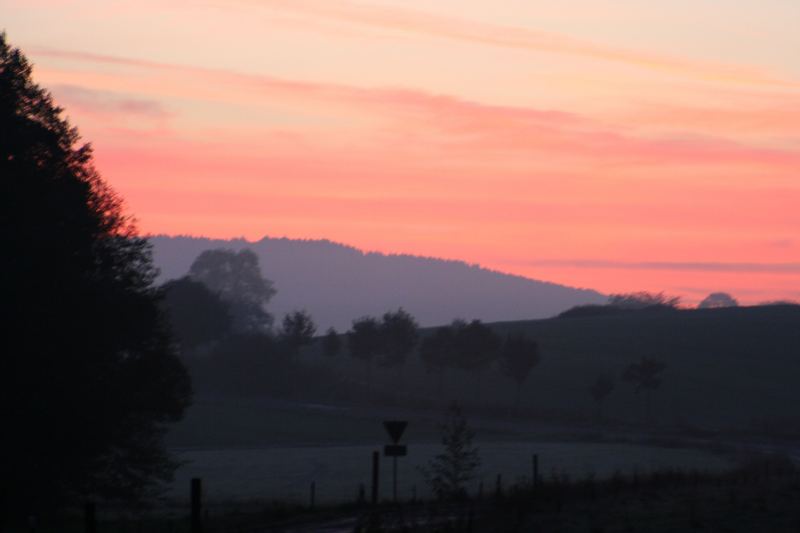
point(448, 473)
point(88, 375)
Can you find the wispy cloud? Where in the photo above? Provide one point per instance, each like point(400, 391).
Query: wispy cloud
point(449, 27)
point(92, 101)
point(466, 128)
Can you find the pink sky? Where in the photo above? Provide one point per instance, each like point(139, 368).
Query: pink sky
point(597, 143)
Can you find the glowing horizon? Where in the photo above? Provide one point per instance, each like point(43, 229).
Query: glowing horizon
point(598, 144)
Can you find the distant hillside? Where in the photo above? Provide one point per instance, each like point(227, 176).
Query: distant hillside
point(732, 367)
point(337, 283)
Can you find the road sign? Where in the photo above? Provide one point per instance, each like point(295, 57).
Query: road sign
point(395, 428)
point(395, 450)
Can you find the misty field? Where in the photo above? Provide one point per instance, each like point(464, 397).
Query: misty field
point(285, 473)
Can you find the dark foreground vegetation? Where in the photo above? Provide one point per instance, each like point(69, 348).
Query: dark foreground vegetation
point(761, 494)
point(89, 377)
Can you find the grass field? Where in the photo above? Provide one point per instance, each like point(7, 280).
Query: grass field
point(727, 369)
point(285, 473)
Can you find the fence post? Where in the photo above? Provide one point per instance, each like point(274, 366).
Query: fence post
point(197, 505)
point(376, 456)
point(313, 495)
point(499, 485)
point(90, 518)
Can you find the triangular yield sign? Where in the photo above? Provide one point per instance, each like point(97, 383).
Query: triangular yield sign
point(395, 428)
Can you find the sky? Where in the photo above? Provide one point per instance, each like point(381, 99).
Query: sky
point(618, 145)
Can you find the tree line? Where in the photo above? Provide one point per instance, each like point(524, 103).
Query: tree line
point(89, 376)
point(218, 315)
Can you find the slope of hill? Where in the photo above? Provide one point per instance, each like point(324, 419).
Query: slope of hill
point(337, 283)
point(734, 371)
point(726, 368)
point(734, 368)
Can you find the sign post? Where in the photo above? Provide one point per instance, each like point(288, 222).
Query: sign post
point(376, 455)
point(395, 429)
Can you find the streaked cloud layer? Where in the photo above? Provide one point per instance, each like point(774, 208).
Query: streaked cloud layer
point(578, 148)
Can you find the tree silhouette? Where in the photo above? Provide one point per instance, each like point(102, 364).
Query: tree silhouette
point(519, 356)
point(331, 343)
point(645, 376)
point(448, 473)
point(643, 300)
point(437, 352)
point(600, 389)
point(365, 342)
point(716, 300)
point(236, 277)
point(196, 314)
point(88, 374)
point(297, 330)
point(400, 333)
point(476, 347)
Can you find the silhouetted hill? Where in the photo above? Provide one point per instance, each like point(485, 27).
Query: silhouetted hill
point(337, 283)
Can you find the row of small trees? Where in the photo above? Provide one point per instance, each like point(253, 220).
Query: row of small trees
point(470, 346)
point(644, 375)
point(224, 296)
